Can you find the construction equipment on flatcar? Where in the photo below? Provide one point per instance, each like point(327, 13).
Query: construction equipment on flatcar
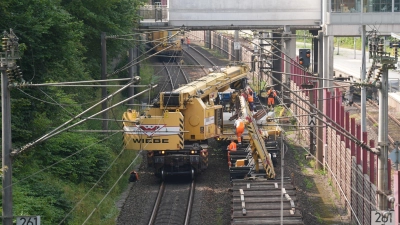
point(176, 129)
point(165, 43)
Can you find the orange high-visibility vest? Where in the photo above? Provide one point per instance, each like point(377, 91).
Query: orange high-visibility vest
point(232, 146)
point(250, 98)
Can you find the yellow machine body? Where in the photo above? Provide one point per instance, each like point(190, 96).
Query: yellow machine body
point(153, 133)
point(167, 42)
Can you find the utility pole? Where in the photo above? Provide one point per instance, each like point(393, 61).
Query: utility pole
point(236, 45)
point(363, 89)
point(132, 71)
point(9, 74)
point(276, 59)
point(383, 140)
point(386, 62)
point(104, 77)
point(310, 86)
point(320, 144)
point(338, 40)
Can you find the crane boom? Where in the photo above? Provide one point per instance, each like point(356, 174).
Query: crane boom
point(257, 143)
point(202, 88)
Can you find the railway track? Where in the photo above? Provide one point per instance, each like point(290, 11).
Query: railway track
point(262, 202)
point(194, 56)
point(174, 76)
point(173, 204)
point(372, 110)
point(373, 115)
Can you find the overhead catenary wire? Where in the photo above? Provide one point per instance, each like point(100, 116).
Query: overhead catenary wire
point(132, 63)
point(76, 82)
point(52, 103)
point(59, 161)
point(56, 102)
point(100, 178)
point(57, 130)
point(359, 172)
point(341, 130)
point(16, 151)
point(111, 188)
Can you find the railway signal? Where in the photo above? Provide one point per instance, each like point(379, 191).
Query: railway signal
point(304, 57)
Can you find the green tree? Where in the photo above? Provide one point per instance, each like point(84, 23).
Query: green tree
point(115, 17)
point(60, 41)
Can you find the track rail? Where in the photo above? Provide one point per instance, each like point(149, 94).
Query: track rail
point(209, 60)
point(372, 110)
point(157, 204)
point(192, 57)
point(169, 76)
point(373, 116)
point(196, 59)
point(183, 73)
point(173, 201)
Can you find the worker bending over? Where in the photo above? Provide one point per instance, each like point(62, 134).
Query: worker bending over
point(232, 101)
point(250, 99)
point(134, 176)
point(232, 146)
point(239, 125)
point(271, 97)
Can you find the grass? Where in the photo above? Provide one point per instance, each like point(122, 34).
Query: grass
point(309, 183)
point(215, 53)
point(353, 116)
point(319, 219)
point(320, 172)
point(219, 218)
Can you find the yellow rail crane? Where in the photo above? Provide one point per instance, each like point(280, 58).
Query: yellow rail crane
point(176, 129)
point(166, 43)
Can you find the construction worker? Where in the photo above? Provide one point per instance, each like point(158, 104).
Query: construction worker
point(232, 146)
point(250, 99)
point(271, 97)
point(239, 125)
point(232, 101)
point(134, 176)
point(188, 42)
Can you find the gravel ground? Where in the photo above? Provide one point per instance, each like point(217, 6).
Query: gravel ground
point(212, 199)
point(137, 202)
